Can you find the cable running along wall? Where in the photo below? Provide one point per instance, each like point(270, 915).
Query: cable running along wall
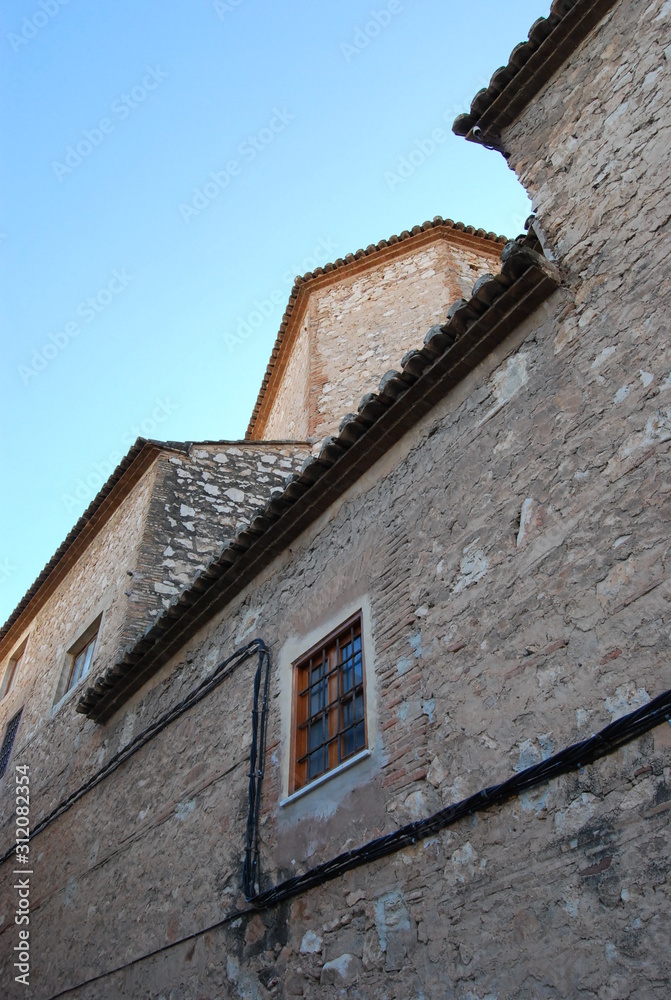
point(571, 758)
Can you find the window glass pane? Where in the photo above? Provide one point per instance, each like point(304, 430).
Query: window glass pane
point(9, 676)
point(317, 697)
point(88, 654)
point(347, 743)
point(77, 669)
point(358, 669)
point(82, 662)
point(8, 741)
point(316, 763)
point(316, 734)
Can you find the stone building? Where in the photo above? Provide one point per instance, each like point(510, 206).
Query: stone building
point(312, 713)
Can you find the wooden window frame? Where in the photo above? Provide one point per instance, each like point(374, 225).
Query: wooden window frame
point(321, 702)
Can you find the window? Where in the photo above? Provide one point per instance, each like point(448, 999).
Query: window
point(81, 655)
point(78, 660)
point(8, 741)
point(12, 669)
point(329, 704)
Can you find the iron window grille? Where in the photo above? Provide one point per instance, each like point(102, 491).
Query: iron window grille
point(330, 709)
point(8, 741)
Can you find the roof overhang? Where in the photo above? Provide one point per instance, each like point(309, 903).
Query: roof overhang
point(120, 483)
point(532, 63)
point(474, 327)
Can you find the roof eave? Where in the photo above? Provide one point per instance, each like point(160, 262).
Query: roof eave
point(122, 480)
point(532, 64)
point(499, 304)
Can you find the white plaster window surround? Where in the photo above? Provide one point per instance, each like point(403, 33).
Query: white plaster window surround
point(361, 765)
point(77, 661)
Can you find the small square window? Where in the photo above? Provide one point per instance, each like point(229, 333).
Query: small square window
point(78, 660)
point(329, 704)
point(8, 741)
point(12, 669)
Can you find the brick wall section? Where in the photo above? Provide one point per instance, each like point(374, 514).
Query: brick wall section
point(361, 325)
point(514, 551)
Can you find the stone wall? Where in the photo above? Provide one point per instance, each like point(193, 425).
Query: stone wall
point(288, 417)
point(511, 557)
point(95, 584)
point(360, 325)
point(203, 494)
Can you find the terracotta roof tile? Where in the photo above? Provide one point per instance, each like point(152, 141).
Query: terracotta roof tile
point(550, 42)
point(452, 350)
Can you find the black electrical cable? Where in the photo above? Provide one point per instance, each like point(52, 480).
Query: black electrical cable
point(251, 863)
point(213, 679)
point(573, 757)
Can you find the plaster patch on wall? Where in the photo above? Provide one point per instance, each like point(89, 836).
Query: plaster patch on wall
point(506, 382)
point(391, 915)
point(577, 814)
point(184, 809)
point(247, 625)
point(626, 699)
point(509, 379)
point(472, 567)
point(532, 519)
point(603, 356)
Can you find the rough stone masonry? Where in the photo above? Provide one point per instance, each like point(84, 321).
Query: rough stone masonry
point(510, 557)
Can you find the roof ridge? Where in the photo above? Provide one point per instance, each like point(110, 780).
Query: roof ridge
point(450, 352)
point(373, 249)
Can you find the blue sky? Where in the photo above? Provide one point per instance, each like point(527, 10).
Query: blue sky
point(167, 170)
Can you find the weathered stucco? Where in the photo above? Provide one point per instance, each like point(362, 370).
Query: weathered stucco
point(511, 557)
